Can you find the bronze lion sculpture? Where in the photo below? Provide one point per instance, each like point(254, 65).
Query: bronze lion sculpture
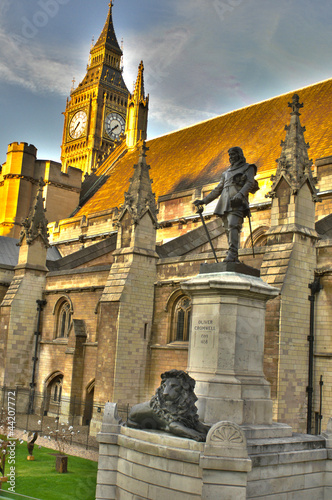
point(171, 409)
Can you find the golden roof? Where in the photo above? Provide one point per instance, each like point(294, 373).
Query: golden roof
point(197, 155)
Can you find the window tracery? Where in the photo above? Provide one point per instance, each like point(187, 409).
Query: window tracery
point(181, 320)
point(63, 321)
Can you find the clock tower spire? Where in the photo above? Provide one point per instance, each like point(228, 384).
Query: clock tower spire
point(96, 111)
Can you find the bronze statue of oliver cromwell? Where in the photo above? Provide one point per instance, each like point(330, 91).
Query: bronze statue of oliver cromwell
point(235, 185)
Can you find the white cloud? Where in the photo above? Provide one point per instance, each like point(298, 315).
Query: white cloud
point(163, 52)
point(174, 116)
point(206, 57)
point(182, 67)
point(4, 7)
point(32, 66)
point(159, 49)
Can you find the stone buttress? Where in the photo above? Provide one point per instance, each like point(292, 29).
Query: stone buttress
point(19, 307)
point(289, 263)
point(126, 305)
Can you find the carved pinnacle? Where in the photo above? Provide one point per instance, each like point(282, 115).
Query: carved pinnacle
point(295, 105)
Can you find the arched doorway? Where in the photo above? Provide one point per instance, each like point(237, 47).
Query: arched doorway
point(53, 393)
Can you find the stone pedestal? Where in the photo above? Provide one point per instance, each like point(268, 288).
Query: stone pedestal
point(226, 347)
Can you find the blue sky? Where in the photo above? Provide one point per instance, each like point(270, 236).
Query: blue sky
point(202, 58)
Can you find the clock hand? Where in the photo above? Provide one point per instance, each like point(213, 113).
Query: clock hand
point(76, 126)
point(114, 128)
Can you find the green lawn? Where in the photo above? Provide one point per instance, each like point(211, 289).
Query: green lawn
point(39, 478)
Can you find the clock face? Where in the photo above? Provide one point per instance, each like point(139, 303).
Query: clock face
point(114, 125)
point(78, 124)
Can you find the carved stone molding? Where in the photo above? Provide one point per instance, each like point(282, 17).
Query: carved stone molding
point(226, 439)
point(294, 165)
point(36, 224)
point(227, 434)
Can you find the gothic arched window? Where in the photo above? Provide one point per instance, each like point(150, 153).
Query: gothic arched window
point(64, 315)
point(181, 320)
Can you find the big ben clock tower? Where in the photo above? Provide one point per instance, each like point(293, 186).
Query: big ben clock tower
point(96, 111)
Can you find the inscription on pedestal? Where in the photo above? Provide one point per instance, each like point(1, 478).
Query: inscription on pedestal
point(204, 332)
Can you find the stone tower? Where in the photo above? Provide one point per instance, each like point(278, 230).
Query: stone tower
point(96, 111)
point(19, 307)
point(289, 264)
point(137, 112)
point(19, 178)
point(126, 305)
point(17, 175)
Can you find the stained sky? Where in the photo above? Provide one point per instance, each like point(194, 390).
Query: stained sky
point(202, 58)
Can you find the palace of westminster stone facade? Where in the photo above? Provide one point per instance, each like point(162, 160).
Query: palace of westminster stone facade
point(102, 279)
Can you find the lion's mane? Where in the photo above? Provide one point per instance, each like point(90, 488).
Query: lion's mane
point(184, 409)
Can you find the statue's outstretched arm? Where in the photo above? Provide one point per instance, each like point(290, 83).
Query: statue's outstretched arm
point(213, 195)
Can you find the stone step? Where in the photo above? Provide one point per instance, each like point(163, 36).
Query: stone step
point(295, 443)
point(274, 430)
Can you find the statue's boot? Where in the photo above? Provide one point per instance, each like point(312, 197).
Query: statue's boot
point(233, 244)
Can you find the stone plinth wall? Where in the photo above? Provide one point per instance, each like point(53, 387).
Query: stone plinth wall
point(145, 466)
point(296, 468)
point(152, 465)
point(155, 466)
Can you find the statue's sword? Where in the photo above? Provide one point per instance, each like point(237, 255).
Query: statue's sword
point(200, 209)
point(252, 240)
